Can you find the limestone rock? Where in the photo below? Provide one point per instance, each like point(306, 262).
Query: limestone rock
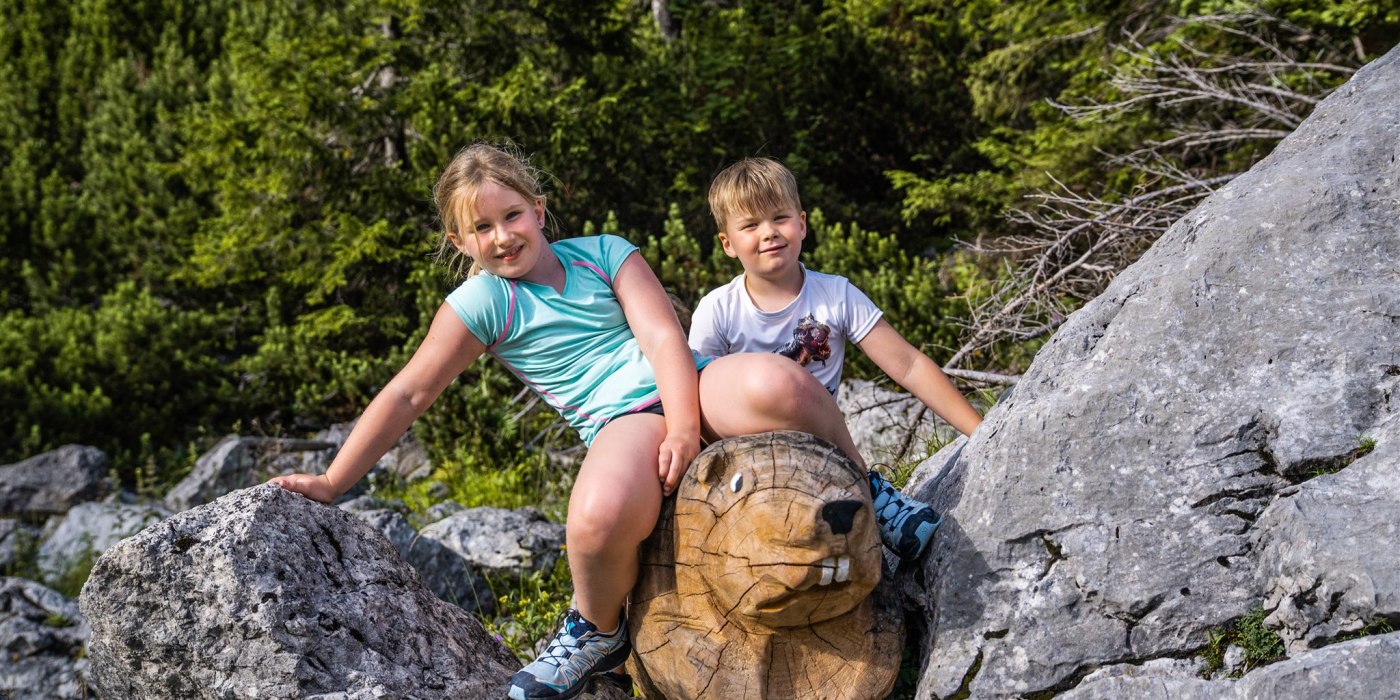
point(443, 570)
point(500, 542)
point(889, 426)
point(263, 593)
point(236, 462)
point(89, 529)
point(1327, 550)
point(42, 635)
point(1362, 668)
point(1151, 479)
point(53, 482)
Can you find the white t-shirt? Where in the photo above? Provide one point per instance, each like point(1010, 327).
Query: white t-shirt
point(812, 330)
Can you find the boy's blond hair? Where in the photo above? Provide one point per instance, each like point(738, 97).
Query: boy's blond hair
point(752, 186)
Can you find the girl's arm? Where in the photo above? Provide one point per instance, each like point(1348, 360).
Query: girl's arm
point(653, 321)
point(914, 371)
point(446, 352)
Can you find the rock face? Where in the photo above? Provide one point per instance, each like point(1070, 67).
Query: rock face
point(53, 482)
point(263, 593)
point(1214, 434)
point(1362, 668)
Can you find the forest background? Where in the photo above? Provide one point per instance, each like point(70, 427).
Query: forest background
point(215, 215)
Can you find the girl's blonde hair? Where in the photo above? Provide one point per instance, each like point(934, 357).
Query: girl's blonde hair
point(457, 188)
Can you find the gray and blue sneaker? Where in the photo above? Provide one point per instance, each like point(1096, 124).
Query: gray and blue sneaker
point(577, 652)
point(906, 525)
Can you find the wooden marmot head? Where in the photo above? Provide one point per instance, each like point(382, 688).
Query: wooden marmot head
point(776, 537)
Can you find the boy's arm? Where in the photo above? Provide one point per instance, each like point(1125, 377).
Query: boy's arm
point(918, 374)
point(446, 352)
point(653, 321)
point(705, 336)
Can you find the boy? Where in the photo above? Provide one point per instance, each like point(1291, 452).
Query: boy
point(778, 305)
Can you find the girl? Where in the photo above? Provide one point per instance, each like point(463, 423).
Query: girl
point(585, 324)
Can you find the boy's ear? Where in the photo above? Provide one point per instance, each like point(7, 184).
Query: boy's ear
point(724, 243)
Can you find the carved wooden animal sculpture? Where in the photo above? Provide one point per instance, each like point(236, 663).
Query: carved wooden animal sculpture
point(757, 581)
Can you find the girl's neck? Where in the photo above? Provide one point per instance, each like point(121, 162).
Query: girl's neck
point(548, 271)
point(776, 293)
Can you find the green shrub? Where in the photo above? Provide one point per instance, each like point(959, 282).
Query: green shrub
point(112, 376)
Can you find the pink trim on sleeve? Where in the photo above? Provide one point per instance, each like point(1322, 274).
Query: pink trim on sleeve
point(595, 268)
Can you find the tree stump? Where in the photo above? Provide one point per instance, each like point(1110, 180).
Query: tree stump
point(757, 580)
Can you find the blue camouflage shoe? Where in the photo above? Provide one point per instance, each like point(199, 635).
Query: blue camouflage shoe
point(906, 525)
point(577, 652)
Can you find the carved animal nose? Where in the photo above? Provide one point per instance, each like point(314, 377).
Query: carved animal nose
point(840, 515)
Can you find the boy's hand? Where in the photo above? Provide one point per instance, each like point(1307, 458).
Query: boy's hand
point(673, 458)
point(314, 487)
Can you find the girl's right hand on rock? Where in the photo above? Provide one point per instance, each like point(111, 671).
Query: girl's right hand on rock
point(314, 487)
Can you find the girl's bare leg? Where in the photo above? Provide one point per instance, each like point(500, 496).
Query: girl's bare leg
point(756, 392)
point(613, 507)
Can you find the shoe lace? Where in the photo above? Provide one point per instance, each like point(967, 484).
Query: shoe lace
point(564, 643)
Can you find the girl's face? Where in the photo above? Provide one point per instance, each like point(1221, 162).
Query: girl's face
point(505, 236)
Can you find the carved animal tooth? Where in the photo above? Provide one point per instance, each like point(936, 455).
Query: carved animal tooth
point(843, 569)
point(828, 567)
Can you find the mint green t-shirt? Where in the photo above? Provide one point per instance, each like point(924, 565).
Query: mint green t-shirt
point(574, 348)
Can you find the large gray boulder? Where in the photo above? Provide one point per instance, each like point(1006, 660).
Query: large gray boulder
point(53, 482)
point(1165, 466)
point(263, 593)
point(41, 643)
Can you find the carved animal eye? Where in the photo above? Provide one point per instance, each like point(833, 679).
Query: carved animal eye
point(736, 483)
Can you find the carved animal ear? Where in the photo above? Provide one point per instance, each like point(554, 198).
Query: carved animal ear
point(711, 468)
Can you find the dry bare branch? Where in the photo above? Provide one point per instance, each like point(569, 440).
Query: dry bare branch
point(1073, 243)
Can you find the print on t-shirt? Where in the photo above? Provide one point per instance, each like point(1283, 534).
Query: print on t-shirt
point(809, 342)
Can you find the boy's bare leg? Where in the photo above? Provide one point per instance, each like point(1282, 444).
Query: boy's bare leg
point(752, 393)
point(613, 507)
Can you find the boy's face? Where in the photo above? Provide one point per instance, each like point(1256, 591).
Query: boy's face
point(766, 244)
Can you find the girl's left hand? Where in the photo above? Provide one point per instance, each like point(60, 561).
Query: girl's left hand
point(673, 458)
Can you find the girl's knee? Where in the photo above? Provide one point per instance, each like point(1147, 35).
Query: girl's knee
point(599, 525)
